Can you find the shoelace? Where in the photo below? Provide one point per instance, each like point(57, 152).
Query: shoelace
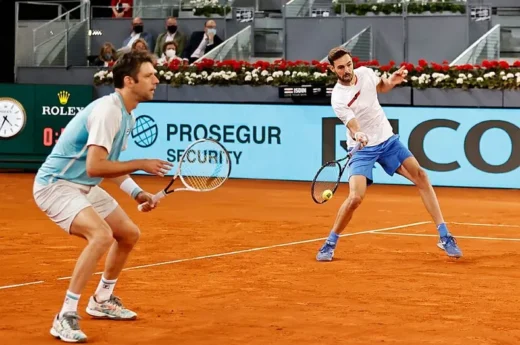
point(116, 300)
point(451, 240)
point(72, 321)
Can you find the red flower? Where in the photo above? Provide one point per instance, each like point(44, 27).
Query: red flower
point(504, 64)
point(423, 63)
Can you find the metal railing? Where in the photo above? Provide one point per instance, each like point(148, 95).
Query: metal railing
point(51, 41)
point(237, 47)
point(143, 11)
point(360, 46)
point(487, 47)
point(37, 12)
point(164, 8)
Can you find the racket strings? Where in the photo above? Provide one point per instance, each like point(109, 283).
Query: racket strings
point(326, 179)
point(206, 166)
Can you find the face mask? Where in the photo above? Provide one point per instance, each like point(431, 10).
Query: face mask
point(170, 53)
point(212, 31)
point(138, 29)
point(172, 29)
point(107, 57)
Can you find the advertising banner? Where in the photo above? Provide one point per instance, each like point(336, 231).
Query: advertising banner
point(456, 146)
point(38, 114)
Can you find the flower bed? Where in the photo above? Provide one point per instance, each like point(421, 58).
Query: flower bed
point(396, 7)
point(208, 7)
point(489, 75)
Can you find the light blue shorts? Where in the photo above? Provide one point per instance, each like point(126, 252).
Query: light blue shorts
point(389, 154)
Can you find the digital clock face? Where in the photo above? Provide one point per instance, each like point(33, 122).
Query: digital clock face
point(12, 117)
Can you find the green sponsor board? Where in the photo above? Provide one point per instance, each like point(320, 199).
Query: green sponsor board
point(32, 118)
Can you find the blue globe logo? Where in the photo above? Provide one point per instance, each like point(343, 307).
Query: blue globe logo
point(145, 131)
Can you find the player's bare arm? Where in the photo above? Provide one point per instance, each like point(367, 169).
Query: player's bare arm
point(98, 165)
point(358, 135)
point(385, 85)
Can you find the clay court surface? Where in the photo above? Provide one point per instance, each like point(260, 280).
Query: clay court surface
point(237, 266)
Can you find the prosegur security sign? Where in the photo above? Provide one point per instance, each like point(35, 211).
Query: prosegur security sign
point(457, 147)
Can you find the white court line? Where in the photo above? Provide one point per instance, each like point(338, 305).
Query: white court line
point(257, 249)
point(375, 231)
point(490, 225)
point(20, 285)
point(468, 237)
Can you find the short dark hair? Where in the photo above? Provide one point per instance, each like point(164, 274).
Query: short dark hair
point(129, 64)
point(336, 53)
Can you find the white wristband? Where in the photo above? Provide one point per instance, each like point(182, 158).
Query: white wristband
point(130, 187)
point(359, 134)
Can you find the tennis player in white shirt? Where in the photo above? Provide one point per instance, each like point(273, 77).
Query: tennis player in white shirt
point(354, 100)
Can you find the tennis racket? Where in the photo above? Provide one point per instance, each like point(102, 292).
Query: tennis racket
point(204, 166)
point(329, 176)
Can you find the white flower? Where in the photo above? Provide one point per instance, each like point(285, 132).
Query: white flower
point(460, 81)
point(248, 78)
point(269, 79)
point(287, 73)
point(110, 75)
point(264, 73)
point(167, 77)
point(504, 77)
point(480, 79)
point(510, 76)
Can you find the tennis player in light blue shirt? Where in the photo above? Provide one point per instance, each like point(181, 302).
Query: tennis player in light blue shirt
point(66, 189)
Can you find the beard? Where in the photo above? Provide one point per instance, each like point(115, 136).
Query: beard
point(346, 78)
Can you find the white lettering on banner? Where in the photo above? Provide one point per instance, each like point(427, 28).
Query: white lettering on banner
point(211, 157)
point(242, 134)
point(60, 111)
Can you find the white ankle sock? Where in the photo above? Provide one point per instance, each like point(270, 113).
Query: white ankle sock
point(70, 303)
point(105, 289)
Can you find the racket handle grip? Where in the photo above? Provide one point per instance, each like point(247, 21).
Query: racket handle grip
point(354, 150)
point(155, 198)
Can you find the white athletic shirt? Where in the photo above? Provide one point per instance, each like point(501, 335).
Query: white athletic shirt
point(360, 101)
point(104, 122)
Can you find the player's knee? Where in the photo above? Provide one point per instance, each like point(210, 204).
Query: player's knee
point(102, 237)
point(128, 234)
point(354, 200)
point(421, 178)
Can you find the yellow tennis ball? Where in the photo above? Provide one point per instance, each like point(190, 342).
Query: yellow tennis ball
point(327, 194)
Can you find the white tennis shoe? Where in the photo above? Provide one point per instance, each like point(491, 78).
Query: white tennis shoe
point(110, 309)
point(66, 328)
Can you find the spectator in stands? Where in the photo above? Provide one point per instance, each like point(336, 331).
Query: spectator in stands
point(170, 53)
point(201, 42)
point(140, 44)
point(107, 55)
point(122, 8)
point(137, 32)
point(172, 33)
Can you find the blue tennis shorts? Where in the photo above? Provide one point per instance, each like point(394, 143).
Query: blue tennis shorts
point(389, 154)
